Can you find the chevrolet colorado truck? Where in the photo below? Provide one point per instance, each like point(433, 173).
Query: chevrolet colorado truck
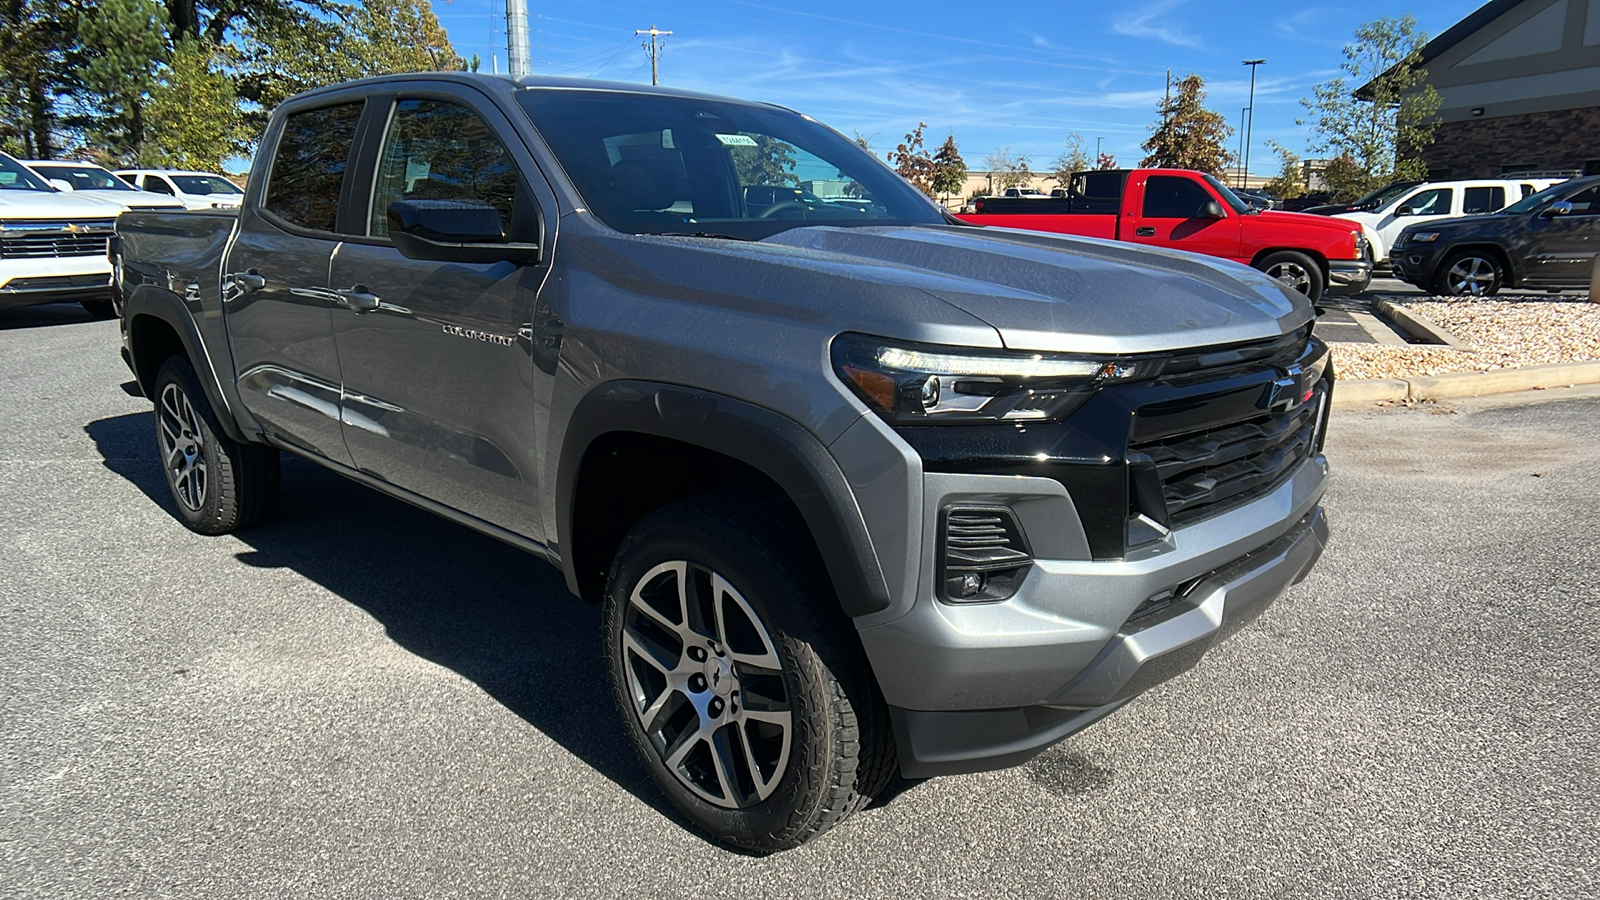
point(1181, 209)
point(859, 487)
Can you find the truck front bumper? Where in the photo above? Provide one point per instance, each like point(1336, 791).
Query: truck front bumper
point(1349, 276)
point(25, 281)
point(986, 686)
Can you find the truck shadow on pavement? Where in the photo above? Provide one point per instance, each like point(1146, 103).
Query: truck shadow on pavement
point(494, 614)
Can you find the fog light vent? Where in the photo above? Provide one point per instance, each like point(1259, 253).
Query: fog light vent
point(983, 554)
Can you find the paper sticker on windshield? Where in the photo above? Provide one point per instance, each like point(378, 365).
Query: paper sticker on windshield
point(736, 140)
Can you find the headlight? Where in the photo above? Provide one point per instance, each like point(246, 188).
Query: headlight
point(1425, 237)
point(925, 384)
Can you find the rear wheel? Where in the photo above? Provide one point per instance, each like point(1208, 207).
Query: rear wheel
point(219, 484)
point(1297, 271)
point(1469, 273)
point(737, 677)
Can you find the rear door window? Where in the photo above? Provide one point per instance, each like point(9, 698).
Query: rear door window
point(1170, 197)
point(1483, 199)
point(1586, 203)
point(158, 184)
point(308, 168)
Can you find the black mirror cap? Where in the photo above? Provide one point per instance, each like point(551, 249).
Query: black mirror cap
point(1213, 210)
point(455, 221)
point(465, 231)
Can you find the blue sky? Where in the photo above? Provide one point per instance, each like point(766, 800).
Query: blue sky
point(1021, 74)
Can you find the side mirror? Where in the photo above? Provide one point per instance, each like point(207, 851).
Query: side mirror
point(61, 184)
point(466, 231)
point(1213, 210)
point(1558, 208)
point(1402, 210)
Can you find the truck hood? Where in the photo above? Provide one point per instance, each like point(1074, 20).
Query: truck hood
point(1055, 293)
point(1339, 223)
point(62, 205)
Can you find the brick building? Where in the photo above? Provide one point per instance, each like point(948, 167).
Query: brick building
point(1519, 82)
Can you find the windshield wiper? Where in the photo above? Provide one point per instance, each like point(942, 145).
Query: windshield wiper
point(704, 234)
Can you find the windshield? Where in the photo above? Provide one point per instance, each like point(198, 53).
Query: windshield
point(84, 178)
point(649, 164)
point(205, 184)
point(1535, 201)
point(15, 176)
point(1228, 196)
point(1383, 195)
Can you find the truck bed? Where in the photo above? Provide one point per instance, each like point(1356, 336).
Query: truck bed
point(168, 247)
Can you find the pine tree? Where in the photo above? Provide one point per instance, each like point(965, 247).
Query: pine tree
point(1188, 136)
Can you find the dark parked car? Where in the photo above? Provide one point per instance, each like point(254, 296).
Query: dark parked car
point(1307, 201)
point(1364, 203)
point(1547, 240)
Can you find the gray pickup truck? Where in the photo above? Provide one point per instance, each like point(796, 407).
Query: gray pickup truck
point(860, 487)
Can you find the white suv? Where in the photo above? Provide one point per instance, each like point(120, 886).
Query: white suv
point(1440, 200)
point(53, 244)
point(197, 190)
point(71, 175)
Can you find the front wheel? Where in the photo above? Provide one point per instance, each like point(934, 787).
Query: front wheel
point(1297, 271)
point(219, 484)
point(737, 677)
point(1469, 273)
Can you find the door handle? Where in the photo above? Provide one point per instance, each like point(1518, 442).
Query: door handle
point(1145, 231)
point(251, 281)
point(358, 298)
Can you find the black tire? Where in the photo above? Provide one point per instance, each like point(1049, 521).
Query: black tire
point(773, 604)
point(1297, 271)
point(218, 484)
point(1469, 273)
point(99, 307)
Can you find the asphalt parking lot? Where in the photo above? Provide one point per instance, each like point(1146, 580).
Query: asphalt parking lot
point(361, 700)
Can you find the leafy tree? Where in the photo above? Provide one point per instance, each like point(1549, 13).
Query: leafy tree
point(1073, 159)
point(1188, 136)
point(863, 142)
point(33, 37)
point(770, 161)
point(1007, 171)
point(1379, 116)
point(193, 111)
point(949, 169)
point(910, 158)
point(1105, 161)
point(1289, 183)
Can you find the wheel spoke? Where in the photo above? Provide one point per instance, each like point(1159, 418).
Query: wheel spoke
point(680, 749)
point(651, 715)
point(723, 761)
point(631, 642)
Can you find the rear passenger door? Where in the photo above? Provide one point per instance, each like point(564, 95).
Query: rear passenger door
point(1561, 248)
point(442, 367)
point(275, 291)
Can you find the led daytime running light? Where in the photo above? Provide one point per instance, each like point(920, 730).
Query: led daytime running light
point(907, 360)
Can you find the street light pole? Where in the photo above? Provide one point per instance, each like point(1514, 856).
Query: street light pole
point(1097, 142)
point(1252, 63)
point(1238, 178)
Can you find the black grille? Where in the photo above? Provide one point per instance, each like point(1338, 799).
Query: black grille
point(1211, 470)
point(985, 547)
point(47, 242)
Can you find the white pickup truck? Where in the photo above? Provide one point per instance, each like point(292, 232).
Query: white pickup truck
point(53, 243)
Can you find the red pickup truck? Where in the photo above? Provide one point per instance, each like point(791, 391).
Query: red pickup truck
point(1186, 210)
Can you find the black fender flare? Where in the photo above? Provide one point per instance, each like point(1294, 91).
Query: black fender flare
point(150, 301)
point(774, 445)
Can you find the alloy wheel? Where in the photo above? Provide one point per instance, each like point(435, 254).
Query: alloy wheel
point(1293, 275)
point(1471, 275)
point(706, 684)
point(182, 447)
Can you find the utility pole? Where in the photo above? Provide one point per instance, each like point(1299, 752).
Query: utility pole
point(1252, 63)
point(1097, 151)
point(655, 53)
point(1166, 105)
point(517, 62)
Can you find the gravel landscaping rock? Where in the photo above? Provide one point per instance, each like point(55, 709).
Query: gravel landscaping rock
point(1503, 332)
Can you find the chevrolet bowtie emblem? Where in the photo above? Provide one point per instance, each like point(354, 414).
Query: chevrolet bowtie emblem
point(75, 228)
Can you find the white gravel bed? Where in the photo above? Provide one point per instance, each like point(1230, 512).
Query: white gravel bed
point(1503, 332)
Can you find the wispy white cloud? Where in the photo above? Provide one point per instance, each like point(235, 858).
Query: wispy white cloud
point(1152, 22)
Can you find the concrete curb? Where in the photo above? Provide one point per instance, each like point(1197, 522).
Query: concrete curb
point(1420, 326)
point(1464, 384)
